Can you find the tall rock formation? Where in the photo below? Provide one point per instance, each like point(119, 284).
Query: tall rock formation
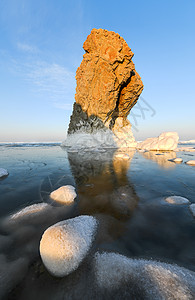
point(108, 85)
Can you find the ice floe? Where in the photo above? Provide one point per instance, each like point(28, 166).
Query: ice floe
point(3, 172)
point(65, 194)
point(64, 245)
point(142, 279)
point(165, 141)
point(177, 200)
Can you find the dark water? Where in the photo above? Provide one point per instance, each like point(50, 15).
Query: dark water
point(126, 195)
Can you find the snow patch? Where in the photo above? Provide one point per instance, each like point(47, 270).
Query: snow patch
point(178, 200)
point(65, 194)
point(64, 245)
point(3, 172)
point(154, 279)
point(165, 141)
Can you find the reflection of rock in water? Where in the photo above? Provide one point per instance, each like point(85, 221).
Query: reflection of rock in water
point(161, 158)
point(103, 188)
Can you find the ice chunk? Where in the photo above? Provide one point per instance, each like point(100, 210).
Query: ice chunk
point(191, 162)
point(192, 209)
point(65, 194)
point(177, 200)
point(3, 172)
point(30, 211)
point(165, 141)
point(177, 160)
point(64, 245)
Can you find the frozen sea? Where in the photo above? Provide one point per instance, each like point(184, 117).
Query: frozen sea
point(125, 194)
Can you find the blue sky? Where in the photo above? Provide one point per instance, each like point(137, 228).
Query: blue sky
point(41, 48)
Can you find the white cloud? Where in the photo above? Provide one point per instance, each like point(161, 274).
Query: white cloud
point(50, 80)
point(27, 48)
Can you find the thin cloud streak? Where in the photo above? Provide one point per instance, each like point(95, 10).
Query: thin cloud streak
point(51, 81)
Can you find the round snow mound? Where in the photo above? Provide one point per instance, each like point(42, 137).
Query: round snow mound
point(65, 194)
point(177, 200)
point(29, 211)
point(192, 209)
point(3, 172)
point(191, 162)
point(64, 245)
point(178, 160)
point(152, 279)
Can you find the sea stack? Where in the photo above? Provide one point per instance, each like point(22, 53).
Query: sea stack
point(108, 86)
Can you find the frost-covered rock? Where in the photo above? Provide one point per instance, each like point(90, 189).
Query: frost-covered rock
point(64, 245)
point(192, 209)
point(29, 211)
point(165, 141)
point(177, 200)
point(65, 194)
point(191, 162)
point(81, 140)
point(123, 135)
point(177, 160)
point(142, 279)
point(3, 172)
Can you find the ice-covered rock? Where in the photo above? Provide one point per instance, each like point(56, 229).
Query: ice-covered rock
point(192, 209)
point(177, 160)
point(3, 172)
point(81, 140)
point(177, 200)
point(64, 245)
point(29, 211)
point(191, 162)
point(65, 194)
point(143, 278)
point(165, 141)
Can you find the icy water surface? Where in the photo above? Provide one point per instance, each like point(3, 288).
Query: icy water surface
point(125, 194)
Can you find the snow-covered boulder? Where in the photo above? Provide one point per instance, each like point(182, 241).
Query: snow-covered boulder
point(165, 141)
point(192, 209)
point(142, 279)
point(177, 160)
point(64, 245)
point(65, 194)
point(191, 162)
point(29, 211)
point(3, 172)
point(177, 200)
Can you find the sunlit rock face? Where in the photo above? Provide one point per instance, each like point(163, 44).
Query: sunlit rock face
point(108, 86)
point(165, 141)
point(64, 245)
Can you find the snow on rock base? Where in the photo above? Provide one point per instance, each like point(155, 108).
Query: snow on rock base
point(65, 194)
point(64, 245)
point(3, 172)
point(177, 200)
point(152, 279)
point(165, 141)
